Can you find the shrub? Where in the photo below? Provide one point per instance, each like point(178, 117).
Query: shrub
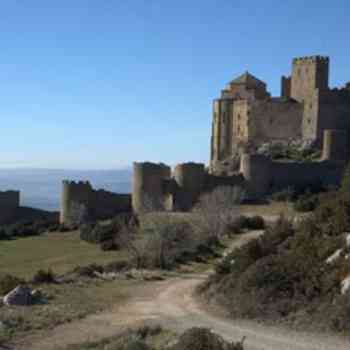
point(89, 270)
point(44, 276)
point(8, 283)
point(286, 195)
point(255, 223)
point(204, 339)
point(216, 211)
point(345, 183)
point(3, 234)
point(306, 202)
point(246, 222)
point(97, 233)
point(109, 235)
point(117, 266)
point(165, 241)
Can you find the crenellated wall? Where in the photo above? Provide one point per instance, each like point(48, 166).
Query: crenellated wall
point(263, 176)
point(80, 202)
point(308, 74)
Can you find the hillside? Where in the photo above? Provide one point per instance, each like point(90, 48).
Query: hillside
point(296, 274)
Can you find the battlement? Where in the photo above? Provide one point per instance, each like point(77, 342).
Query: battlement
point(76, 183)
point(80, 201)
point(311, 59)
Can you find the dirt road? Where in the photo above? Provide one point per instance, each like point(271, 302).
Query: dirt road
point(172, 304)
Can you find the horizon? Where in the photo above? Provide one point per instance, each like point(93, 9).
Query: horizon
point(100, 85)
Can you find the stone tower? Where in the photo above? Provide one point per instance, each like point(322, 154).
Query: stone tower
point(309, 74)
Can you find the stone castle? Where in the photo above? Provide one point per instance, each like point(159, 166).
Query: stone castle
point(245, 116)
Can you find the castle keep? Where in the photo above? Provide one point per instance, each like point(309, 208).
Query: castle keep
point(246, 116)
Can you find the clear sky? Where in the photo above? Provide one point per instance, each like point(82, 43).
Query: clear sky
point(100, 83)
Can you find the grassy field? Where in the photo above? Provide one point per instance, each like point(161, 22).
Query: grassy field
point(59, 251)
point(64, 303)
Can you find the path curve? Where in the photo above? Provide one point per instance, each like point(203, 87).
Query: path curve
point(172, 304)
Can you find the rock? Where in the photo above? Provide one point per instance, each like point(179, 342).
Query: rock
point(348, 240)
point(20, 296)
point(334, 256)
point(345, 285)
point(36, 294)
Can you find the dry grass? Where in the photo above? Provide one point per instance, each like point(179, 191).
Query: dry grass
point(270, 209)
point(64, 303)
point(61, 252)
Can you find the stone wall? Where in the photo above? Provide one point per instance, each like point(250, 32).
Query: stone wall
point(263, 176)
point(276, 119)
point(148, 187)
point(184, 187)
point(80, 202)
point(308, 74)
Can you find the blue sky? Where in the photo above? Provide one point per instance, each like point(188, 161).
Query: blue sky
point(99, 84)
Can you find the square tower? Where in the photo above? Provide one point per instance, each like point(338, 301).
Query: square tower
point(309, 74)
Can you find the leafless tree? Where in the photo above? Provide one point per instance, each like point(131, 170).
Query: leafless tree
point(216, 210)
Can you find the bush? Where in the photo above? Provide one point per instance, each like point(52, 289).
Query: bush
point(44, 276)
point(165, 240)
point(3, 234)
point(8, 283)
point(204, 339)
point(117, 266)
point(255, 223)
point(286, 195)
point(215, 212)
point(26, 228)
point(246, 222)
point(306, 203)
point(109, 235)
point(89, 270)
point(284, 275)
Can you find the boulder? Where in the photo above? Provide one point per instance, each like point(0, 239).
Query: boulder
point(20, 296)
point(345, 285)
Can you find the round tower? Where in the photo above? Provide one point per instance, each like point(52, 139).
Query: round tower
point(74, 194)
point(147, 186)
point(334, 145)
point(190, 180)
point(256, 172)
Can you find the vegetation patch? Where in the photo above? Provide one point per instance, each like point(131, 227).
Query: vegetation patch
point(284, 274)
point(62, 303)
point(156, 338)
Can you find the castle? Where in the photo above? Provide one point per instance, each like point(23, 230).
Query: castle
point(245, 116)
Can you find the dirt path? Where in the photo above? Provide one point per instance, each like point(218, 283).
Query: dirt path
point(171, 303)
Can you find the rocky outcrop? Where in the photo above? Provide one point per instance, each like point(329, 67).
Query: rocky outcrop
point(20, 296)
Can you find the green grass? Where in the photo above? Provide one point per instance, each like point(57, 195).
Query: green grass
point(157, 341)
point(61, 252)
point(64, 303)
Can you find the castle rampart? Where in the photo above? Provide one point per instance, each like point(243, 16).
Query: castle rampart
point(80, 202)
point(190, 178)
point(256, 170)
point(148, 187)
point(335, 145)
